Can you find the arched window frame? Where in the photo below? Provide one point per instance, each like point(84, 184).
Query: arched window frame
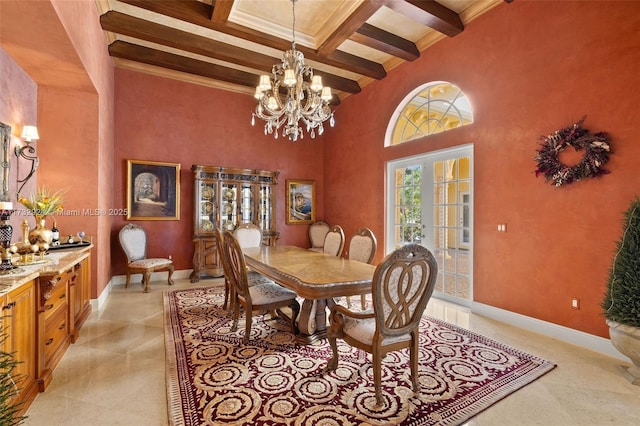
point(398, 113)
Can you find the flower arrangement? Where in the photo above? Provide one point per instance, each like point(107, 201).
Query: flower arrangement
point(43, 202)
point(596, 154)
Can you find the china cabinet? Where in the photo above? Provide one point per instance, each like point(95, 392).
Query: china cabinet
point(226, 197)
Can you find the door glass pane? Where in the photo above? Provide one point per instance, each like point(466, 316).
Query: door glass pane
point(408, 206)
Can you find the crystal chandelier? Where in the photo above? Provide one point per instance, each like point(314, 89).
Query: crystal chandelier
point(292, 97)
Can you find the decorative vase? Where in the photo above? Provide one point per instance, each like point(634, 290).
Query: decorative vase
point(626, 339)
point(40, 234)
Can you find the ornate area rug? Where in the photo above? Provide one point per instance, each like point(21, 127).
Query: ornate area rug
point(214, 379)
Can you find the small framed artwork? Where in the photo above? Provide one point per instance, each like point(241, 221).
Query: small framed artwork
point(301, 201)
point(153, 190)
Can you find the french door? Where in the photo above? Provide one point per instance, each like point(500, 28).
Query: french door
point(430, 202)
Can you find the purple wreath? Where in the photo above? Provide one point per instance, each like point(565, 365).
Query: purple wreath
point(596, 154)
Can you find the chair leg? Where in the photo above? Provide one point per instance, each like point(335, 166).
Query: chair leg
point(126, 284)
point(247, 327)
point(236, 311)
point(226, 295)
point(413, 353)
point(171, 268)
point(146, 277)
point(363, 301)
point(377, 377)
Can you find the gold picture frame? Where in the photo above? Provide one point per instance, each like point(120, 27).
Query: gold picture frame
point(153, 190)
point(300, 201)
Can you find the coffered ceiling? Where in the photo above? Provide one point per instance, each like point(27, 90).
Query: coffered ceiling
point(229, 43)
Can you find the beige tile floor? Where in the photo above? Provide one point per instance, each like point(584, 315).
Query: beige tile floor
point(114, 373)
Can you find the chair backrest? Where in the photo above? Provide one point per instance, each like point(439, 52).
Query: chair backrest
point(334, 241)
point(363, 246)
point(248, 235)
point(317, 232)
point(224, 258)
point(133, 240)
point(237, 266)
point(402, 285)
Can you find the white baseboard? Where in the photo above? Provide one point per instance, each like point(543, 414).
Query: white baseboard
point(97, 304)
point(566, 334)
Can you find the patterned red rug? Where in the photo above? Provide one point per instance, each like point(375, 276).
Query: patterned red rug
point(214, 379)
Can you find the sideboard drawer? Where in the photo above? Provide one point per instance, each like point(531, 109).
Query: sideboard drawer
point(56, 331)
point(58, 298)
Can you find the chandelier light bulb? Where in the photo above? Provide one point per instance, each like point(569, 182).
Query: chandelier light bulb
point(326, 94)
point(289, 78)
point(316, 83)
point(272, 103)
point(264, 84)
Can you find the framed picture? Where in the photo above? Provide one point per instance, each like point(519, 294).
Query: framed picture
point(301, 201)
point(153, 190)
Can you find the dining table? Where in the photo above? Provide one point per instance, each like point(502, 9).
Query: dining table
point(316, 277)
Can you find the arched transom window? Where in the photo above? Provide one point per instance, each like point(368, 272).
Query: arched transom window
point(432, 108)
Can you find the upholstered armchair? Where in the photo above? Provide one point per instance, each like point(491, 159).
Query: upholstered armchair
point(334, 241)
point(402, 285)
point(317, 232)
point(263, 296)
point(133, 240)
point(362, 248)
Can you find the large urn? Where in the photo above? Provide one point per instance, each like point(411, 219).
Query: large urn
point(626, 339)
point(41, 235)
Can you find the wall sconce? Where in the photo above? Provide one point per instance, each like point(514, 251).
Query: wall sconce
point(29, 134)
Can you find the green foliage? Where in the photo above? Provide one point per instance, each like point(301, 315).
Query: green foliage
point(622, 298)
point(8, 387)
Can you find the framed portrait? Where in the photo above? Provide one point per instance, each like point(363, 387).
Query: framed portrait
point(300, 201)
point(153, 190)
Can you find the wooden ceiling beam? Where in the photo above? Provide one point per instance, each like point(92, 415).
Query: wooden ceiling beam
point(387, 42)
point(199, 13)
point(350, 25)
point(429, 13)
point(221, 10)
point(149, 31)
point(158, 58)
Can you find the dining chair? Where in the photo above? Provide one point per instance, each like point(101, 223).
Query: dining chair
point(334, 241)
point(252, 276)
point(263, 296)
point(133, 240)
point(402, 285)
point(248, 235)
point(362, 248)
point(317, 232)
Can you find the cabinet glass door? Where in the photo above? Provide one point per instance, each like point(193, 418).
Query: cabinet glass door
point(265, 208)
point(246, 203)
point(229, 206)
point(207, 201)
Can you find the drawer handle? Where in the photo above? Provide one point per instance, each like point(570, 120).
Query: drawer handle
point(58, 278)
point(62, 326)
point(50, 341)
point(9, 306)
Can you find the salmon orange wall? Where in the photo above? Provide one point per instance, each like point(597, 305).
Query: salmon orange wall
point(164, 120)
point(61, 46)
point(528, 68)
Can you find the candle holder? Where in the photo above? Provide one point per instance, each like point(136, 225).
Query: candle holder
point(6, 232)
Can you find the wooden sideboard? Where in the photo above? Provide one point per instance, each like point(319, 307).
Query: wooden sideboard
point(43, 309)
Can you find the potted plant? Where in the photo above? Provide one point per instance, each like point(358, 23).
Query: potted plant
point(9, 409)
point(621, 303)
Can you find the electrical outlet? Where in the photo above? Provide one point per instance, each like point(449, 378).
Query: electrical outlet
point(575, 303)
